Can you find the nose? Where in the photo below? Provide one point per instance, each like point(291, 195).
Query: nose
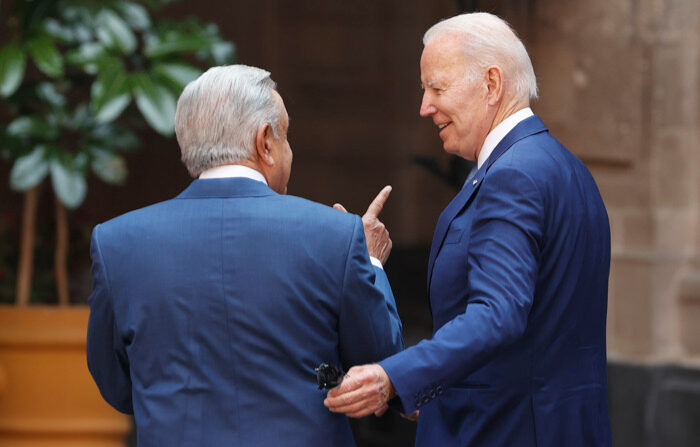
point(426, 107)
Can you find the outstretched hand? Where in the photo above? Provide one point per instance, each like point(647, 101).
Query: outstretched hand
point(378, 241)
point(365, 390)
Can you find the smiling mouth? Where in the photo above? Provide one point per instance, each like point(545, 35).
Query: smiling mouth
point(442, 126)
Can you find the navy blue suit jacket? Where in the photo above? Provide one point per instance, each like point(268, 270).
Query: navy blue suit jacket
point(518, 278)
point(210, 311)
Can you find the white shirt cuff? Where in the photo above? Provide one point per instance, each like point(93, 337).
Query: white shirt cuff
point(376, 262)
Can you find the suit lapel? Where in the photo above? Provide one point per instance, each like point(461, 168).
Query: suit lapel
point(448, 215)
point(525, 128)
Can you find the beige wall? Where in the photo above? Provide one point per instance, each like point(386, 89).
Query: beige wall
point(620, 86)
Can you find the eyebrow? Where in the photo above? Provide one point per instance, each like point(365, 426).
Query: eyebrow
point(430, 84)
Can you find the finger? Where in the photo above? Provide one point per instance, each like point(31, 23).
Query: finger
point(339, 207)
point(378, 203)
point(411, 417)
point(359, 409)
point(345, 401)
point(381, 410)
point(351, 381)
point(366, 407)
point(360, 414)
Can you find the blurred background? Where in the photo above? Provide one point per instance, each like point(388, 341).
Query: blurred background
point(88, 89)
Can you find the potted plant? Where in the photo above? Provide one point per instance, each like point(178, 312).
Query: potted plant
point(77, 79)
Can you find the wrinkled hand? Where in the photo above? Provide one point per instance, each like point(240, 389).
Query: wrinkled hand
point(365, 390)
point(378, 241)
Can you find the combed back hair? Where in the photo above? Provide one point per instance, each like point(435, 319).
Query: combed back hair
point(219, 113)
point(488, 40)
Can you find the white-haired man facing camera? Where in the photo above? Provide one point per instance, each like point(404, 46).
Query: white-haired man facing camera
point(210, 311)
point(518, 268)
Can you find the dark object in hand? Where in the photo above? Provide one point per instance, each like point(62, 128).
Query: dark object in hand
point(328, 376)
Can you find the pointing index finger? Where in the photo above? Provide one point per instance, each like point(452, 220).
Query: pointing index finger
point(378, 203)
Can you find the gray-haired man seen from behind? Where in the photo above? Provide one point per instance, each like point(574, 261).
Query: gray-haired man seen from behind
point(210, 311)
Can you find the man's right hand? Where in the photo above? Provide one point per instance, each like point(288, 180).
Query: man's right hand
point(378, 241)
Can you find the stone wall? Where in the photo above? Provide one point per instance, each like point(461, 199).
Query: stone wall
point(620, 86)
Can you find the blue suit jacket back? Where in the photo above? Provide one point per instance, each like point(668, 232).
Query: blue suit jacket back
point(518, 278)
point(210, 312)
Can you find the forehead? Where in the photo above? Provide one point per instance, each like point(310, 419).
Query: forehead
point(442, 59)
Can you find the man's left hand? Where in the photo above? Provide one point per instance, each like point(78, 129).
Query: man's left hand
point(365, 390)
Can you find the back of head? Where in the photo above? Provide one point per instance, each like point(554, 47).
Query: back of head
point(488, 40)
point(218, 115)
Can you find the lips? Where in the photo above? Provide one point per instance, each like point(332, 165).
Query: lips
point(443, 126)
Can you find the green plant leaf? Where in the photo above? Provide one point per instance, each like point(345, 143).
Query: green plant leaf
point(113, 32)
point(12, 64)
point(176, 74)
point(88, 52)
point(69, 184)
point(222, 52)
point(115, 136)
point(31, 126)
point(156, 103)
point(30, 170)
point(83, 33)
point(108, 166)
point(135, 15)
point(47, 92)
point(174, 42)
point(88, 56)
point(58, 30)
point(46, 56)
point(110, 93)
point(81, 117)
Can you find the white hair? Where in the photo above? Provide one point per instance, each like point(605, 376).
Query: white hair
point(488, 40)
point(219, 113)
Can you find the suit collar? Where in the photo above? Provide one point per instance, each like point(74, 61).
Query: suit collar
point(225, 187)
point(525, 128)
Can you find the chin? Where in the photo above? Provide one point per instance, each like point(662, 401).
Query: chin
point(450, 150)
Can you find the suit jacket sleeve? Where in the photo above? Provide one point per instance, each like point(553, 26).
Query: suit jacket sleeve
point(499, 284)
point(106, 353)
point(369, 325)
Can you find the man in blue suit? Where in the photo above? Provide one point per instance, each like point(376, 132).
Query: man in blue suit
point(210, 311)
point(518, 269)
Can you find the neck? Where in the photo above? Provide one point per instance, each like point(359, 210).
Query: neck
point(255, 164)
point(506, 109)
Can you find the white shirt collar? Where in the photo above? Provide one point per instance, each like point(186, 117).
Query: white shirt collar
point(224, 171)
point(496, 135)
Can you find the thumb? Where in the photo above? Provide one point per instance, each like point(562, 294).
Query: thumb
point(339, 207)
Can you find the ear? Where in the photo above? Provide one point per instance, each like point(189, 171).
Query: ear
point(494, 84)
point(263, 140)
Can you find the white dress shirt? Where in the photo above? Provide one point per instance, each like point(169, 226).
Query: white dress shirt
point(496, 135)
point(225, 171)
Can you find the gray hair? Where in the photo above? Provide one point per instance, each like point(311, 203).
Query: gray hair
point(219, 113)
point(488, 40)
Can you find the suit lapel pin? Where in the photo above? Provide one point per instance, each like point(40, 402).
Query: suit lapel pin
point(475, 182)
